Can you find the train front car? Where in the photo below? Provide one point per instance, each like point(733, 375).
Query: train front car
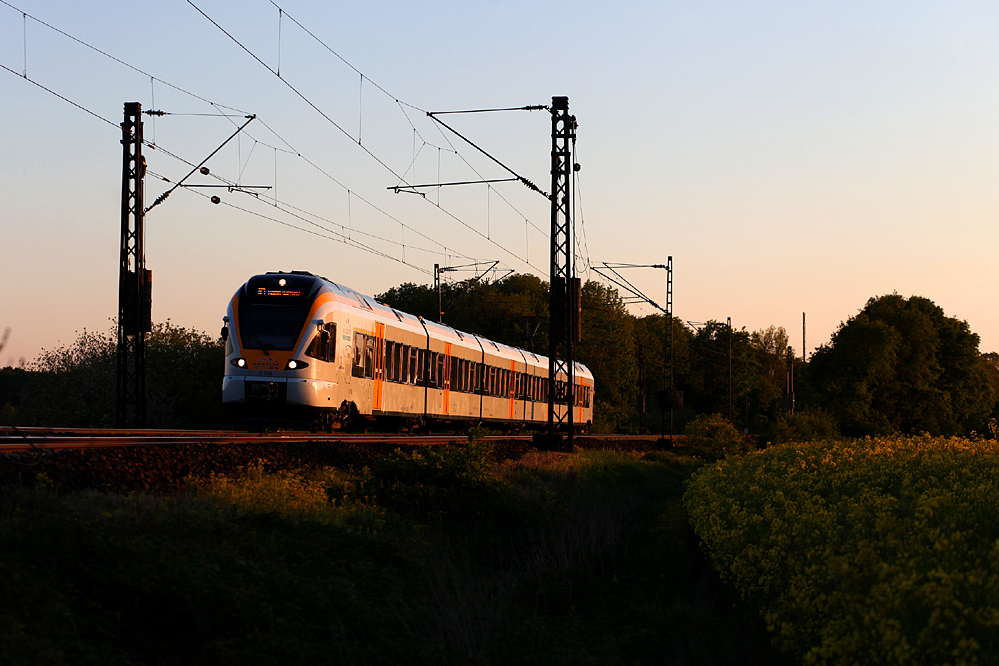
point(281, 362)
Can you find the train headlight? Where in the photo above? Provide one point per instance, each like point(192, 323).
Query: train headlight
point(238, 362)
point(296, 365)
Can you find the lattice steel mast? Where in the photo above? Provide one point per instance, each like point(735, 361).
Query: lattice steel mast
point(564, 286)
point(134, 281)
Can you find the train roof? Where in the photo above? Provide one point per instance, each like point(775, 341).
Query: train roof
point(351, 299)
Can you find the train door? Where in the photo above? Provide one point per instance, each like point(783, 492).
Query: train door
point(379, 369)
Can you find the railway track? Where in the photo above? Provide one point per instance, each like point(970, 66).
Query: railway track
point(34, 438)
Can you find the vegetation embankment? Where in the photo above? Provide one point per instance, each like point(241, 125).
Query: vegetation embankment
point(436, 555)
point(872, 551)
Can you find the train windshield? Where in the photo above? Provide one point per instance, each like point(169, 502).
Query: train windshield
point(273, 309)
point(270, 326)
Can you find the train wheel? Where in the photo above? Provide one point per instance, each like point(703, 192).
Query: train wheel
point(350, 418)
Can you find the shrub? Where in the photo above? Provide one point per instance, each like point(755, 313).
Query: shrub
point(714, 436)
point(435, 480)
point(806, 426)
point(875, 551)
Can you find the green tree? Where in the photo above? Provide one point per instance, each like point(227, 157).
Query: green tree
point(902, 365)
point(650, 334)
point(514, 311)
point(990, 362)
point(707, 385)
point(608, 350)
point(74, 385)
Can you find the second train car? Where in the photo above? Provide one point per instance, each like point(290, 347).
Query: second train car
point(303, 350)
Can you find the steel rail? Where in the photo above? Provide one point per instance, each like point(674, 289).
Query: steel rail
point(34, 438)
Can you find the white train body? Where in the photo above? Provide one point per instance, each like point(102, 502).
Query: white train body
point(300, 348)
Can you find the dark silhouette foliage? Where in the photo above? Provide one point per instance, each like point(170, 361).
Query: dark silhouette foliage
point(75, 385)
point(902, 365)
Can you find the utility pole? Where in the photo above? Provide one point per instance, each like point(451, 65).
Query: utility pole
point(437, 288)
point(134, 281)
point(790, 380)
point(730, 369)
point(675, 399)
point(564, 288)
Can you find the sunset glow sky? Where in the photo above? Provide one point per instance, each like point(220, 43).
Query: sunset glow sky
point(790, 156)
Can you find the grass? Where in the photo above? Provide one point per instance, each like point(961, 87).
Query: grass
point(432, 558)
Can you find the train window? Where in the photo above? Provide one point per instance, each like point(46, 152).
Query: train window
point(270, 326)
point(442, 379)
point(323, 346)
point(369, 356)
point(396, 362)
point(412, 365)
point(396, 356)
point(389, 366)
point(358, 368)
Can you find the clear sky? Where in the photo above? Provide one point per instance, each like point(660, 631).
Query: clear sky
point(790, 156)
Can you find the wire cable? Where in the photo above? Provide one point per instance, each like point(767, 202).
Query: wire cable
point(347, 134)
point(65, 99)
point(444, 249)
point(117, 60)
point(153, 145)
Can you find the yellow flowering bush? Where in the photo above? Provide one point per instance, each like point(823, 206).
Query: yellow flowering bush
point(873, 551)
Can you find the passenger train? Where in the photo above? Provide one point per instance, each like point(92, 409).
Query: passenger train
point(303, 350)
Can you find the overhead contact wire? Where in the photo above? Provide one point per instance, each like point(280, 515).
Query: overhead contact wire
point(117, 60)
point(295, 90)
point(347, 134)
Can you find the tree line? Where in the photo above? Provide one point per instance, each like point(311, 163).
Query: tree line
point(899, 365)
